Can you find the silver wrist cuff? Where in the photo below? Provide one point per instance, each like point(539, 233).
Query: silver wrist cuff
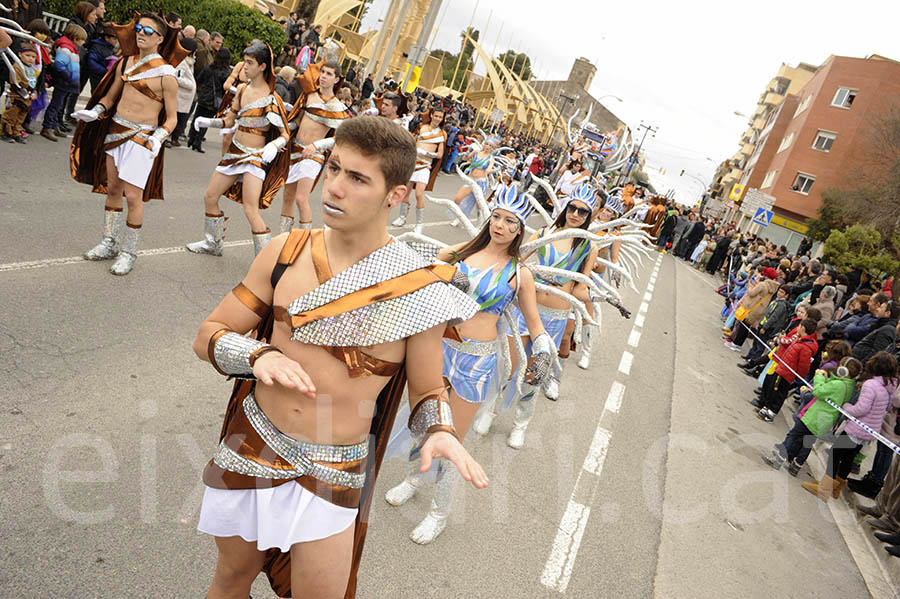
point(160, 134)
point(231, 354)
point(323, 145)
point(430, 414)
point(99, 109)
point(278, 142)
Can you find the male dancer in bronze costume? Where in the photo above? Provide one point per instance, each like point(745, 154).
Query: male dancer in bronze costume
point(344, 318)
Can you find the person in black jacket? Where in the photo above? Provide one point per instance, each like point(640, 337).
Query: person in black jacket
point(210, 90)
point(99, 50)
point(368, 87)
point(883, 335)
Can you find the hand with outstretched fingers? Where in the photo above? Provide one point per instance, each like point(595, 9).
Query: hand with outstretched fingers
point(274, 367)
point(444, 445)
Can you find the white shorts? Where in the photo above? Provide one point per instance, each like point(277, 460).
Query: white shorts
point(305, 169)
point(421, 175)
point(133, 163)
point(276, 517)
point(242, 169)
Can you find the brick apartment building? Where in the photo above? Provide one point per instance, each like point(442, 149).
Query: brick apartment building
point(819, 138)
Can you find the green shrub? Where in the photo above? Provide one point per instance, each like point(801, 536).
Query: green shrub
point(237, 23)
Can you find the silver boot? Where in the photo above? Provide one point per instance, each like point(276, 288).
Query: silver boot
point(585, 361)
point(108, 247)
point(213, 236)
point(131, 241)
point(436, 520)
point(287, 223)
point(420, 221)
point(551, 385)
point(260, 240)
point(401, 220)
point(410, 485)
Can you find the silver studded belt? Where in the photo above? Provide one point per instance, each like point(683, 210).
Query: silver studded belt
point(553, 313)
point(301, 455)
point(472, 346)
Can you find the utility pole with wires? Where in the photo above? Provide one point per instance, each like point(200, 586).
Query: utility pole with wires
point(637, 152)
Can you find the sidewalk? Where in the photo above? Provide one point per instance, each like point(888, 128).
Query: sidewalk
point(730, 518)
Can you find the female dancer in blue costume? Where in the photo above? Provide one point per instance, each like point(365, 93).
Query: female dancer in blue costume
point(575, 255)
point(480, 164)
point(490, 261)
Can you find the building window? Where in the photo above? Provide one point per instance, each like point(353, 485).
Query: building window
point(803, 105)
point(803, 183)
point(786, 142)
point(844, 97)
point(770, 177)
point(824, 141)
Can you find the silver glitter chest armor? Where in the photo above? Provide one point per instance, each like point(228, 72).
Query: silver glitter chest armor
point(271, 117)
point(383, 321)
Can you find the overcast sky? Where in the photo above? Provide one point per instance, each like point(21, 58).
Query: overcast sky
point(684, 67)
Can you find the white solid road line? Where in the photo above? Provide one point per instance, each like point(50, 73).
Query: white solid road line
point(17, 266)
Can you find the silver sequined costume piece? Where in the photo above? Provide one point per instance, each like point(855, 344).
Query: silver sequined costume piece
point(384, 321)
point(232, 352)
point(303, 456)
point(430, 413)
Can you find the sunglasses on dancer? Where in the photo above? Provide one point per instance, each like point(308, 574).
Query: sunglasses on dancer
point(582, 212)
point(146, 29)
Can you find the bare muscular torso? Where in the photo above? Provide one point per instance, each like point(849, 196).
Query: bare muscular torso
point(311, 131)
point(342, 412)
point(135, 106)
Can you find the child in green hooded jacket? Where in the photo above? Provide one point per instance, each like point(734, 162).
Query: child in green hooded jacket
point(818, 417)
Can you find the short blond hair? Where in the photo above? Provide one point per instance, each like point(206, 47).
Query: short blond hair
point(75, 32)
point(287, 73)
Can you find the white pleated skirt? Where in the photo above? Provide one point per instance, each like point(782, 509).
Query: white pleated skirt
point(276, 517)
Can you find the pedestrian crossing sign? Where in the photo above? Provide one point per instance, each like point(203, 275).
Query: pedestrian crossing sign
point(763, 217)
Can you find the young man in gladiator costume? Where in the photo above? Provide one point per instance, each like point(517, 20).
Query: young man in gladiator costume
point(430, 143)
point(117, 147)
point(344, 319)
point(315, 116)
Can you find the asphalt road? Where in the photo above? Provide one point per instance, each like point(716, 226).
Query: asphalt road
point(643, 480)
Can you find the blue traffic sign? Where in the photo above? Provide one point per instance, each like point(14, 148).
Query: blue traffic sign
point(763, 217)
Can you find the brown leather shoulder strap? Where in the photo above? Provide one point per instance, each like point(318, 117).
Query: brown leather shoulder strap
point(320, 256)
point(289, 253)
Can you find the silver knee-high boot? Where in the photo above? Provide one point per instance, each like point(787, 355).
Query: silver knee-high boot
point(128, 254)
point(260, 240)
point(108, 247)
point(287, 223)
point(420, 220)
point(410, 485)
point(436, 520)
point(401, 220)
point(213, 236)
